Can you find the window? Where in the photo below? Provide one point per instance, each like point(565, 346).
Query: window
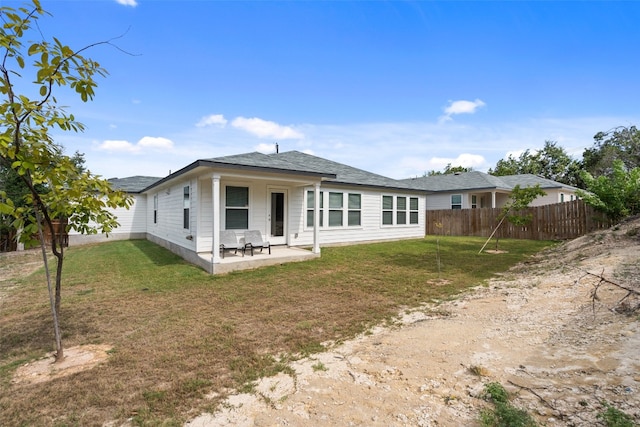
point(414, 213)
point(561, 197)
point(186, 204)
point(311, 204)
point(387, 210)
point(401, 210)
point(354, 214)
point(474, 201)
point(342, 209)
point(155, 208)
point(335, 209)
point(456, 201)
point(236, 208)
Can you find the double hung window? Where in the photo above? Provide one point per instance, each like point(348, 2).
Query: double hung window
point(340, 209)
point(186, 205)
point(400, 210)
point(236, 208)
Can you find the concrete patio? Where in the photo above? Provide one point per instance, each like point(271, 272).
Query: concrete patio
point(235, 262)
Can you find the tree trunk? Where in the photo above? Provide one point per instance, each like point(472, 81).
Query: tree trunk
point(54, 300)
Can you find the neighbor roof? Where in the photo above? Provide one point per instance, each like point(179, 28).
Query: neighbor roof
point(476, 180)
point(530, 180)
point(473, 180)
point(133, 184)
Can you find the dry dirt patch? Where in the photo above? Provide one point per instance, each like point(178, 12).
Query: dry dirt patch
point(76, 359)
point(538, 331)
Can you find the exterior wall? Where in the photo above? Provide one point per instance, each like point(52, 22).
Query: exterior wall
point(370, 229)
point(555, 195)
point(440, 201)
point(258, 193)
point(133, 224)
point(169, 221)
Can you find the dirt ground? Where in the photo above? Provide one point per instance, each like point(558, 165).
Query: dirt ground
point(538, 331)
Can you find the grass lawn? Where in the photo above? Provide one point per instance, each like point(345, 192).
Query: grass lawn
point(179, 334)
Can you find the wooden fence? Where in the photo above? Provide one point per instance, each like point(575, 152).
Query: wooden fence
point(559, 221)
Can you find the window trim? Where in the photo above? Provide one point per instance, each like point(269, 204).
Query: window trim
point(186, 207)
point(327, 211)
point(247, 207)
point(353, 210)
point(155, 208)
point(400, 214)
point(455, 204)
point(414, 212)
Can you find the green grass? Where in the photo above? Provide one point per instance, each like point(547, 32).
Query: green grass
point(179, 334)
point(503, 414)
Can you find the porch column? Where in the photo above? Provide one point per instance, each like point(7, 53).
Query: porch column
point(493, 199)
point(215, 229)
point(316, 219)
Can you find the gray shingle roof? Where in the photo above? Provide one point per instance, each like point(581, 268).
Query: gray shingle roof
point(344, 174)
point(476, 180)
point(530, 180)
point(133, 184)
point(473, 180)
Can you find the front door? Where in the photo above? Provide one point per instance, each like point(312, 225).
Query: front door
point(277, 217)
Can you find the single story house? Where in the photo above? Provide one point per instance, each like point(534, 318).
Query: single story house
point(469, 190)
point(279, 194)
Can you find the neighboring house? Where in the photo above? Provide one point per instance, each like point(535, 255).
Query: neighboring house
point(470, 190)
point(280, 194)
point(133, 221)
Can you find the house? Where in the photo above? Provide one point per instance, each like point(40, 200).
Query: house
point(280, 194)
point(469, 190)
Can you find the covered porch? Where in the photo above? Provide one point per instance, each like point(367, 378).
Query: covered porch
point(233, 262)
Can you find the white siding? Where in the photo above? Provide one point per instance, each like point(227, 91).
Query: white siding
point(169, 225)
point(133, 224)
point(439, 201)
point(371, 228)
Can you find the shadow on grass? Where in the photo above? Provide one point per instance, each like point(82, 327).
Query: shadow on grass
point(31, 334)
point(156, 254)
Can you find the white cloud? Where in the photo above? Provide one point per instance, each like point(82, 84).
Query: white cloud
point(133, 3)
point(117, 145)
point(266, 129)
point(155, 142)
point(266, 148)
point(145, 143)
point(461, 107)
point(212, 120)
point(465, 160)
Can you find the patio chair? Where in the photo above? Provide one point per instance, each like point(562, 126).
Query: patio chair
point(253, 240)
point(229, 241)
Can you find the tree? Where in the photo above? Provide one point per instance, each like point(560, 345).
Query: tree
point(449, 170)
point(56, 186)
point(551, 162)
point(621, 143)
point(616, 194)
point(520, 198)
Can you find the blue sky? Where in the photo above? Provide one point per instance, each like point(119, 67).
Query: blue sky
point(397, 88)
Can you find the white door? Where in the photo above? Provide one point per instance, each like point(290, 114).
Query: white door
point(277, 217)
